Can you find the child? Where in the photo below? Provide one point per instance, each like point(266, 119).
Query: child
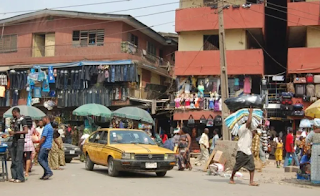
point(278, 153)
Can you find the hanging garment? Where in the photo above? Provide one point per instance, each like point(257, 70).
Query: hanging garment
point(29, 99)
point(2, 91)
point(231, 86)
point(247, 85)
point(37, 92)
point(187, 88)
point(51, 78)
point(125, 71)
point(211, 103)
point(3, 80)
point(101, 77)
point(15, 98)
point(177, 102)
point(187, 102)
point(8, 98)
point(236, 84)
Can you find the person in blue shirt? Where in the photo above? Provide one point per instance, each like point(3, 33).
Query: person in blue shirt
point(305, 162)
point(44, 148)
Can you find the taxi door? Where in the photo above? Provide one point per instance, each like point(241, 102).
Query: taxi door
point(102, 149)
point(93, 146)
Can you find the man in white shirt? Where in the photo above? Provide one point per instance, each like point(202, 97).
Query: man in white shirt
point(244, 156)
point(204, 146)
point(82, 141)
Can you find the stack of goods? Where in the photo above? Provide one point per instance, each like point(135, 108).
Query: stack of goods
point(286, 103)
point(245, 101)
point(235, 120)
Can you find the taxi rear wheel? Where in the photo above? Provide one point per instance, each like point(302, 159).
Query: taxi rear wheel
point(89, 164)
point(161, 174)
point(112, 171)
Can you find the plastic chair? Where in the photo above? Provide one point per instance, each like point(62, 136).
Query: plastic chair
point(4, 171)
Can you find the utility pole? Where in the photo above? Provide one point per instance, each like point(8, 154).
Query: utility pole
point(223, 71)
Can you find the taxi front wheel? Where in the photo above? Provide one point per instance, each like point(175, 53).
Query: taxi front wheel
point(161, 174)
point(89, 164)
point(112, 171)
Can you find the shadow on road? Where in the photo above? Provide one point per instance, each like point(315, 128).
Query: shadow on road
point(226, 180)
point(104, 171)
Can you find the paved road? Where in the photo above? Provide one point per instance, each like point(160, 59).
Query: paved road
point(76, 181)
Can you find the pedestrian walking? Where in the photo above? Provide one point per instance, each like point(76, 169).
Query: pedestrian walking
point(204, 146)
point(244, 156)
point(28, 151)
point(290, 149)
point(20, 128)
point(82, 141)
point(44, 148)
point(54, 155)
point(68, 135)
point(214, 140)
point(278, 153)
point(37, 134)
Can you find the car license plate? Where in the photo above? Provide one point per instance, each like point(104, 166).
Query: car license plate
point(72, 152)
point(151, 165)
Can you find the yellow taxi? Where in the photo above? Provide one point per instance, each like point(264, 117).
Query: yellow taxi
point(127, 150)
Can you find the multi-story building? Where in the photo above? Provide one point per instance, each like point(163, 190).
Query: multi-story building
point(198, 58)
point(69, 41)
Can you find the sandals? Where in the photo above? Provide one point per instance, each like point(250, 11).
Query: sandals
point(17, 181)
point(254, 184)
point(11, 180)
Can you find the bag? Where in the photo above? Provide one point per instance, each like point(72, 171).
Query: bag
point(316, 79)
point(51, 78)
point(218, 120)
point(309, 78)
point(245, 101)
point(203, 120)
point(286, 101)
point(210, 121)
point(286, 107)
point(290, 88)
point(310, 90)
point(190, 120)
point(286, 95)
point(300, 80)
point(298, 113)
point(317, 90)
point(300, 90)
point(298, 106)
point(306, 98)
point(35, 138)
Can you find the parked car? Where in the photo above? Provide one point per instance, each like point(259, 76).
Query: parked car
point(70, 150)
point(127, 150)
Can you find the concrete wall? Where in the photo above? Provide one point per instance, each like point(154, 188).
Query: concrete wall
point(198, 3)
point(192, 41)
point(236, 39)
point(313, 37)
point(64, 51)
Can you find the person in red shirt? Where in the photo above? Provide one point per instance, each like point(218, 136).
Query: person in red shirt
point(290, 149)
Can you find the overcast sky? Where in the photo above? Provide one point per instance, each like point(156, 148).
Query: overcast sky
point(22, 5)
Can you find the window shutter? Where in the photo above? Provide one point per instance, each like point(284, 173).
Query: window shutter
point(83, 38)
point(100, 37)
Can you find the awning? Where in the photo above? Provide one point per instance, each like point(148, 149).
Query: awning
point(85, 63)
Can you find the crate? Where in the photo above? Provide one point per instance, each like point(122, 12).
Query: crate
point(3, 149)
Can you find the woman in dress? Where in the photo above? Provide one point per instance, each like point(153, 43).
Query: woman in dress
point(314, 139)
point(28, 151)
point(55, 157)
point(184, 150)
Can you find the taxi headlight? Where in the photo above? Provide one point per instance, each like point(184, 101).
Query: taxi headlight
point(127, 156)
point(169, 157)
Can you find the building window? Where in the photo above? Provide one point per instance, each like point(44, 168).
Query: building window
point(134, 39)
point(8, 43)
point(151, 49)
point(210, 2)
point(43, 44)
point(88, 38)
point(211, 42)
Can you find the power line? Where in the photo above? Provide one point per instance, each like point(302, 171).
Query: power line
point(69, 6)
point(122, 32)
point(260, 44)
point(285, 7)
point(112, 12)
point(291, 13)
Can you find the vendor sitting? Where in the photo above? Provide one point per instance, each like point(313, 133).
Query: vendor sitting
point(305, 162)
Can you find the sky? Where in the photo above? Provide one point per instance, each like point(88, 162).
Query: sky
point(27, 5)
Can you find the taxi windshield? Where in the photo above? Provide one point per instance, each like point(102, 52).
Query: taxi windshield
point(130, 137)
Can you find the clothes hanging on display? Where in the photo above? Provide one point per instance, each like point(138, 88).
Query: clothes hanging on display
point(3, 80)
point(247, 85)
point(18, 79)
